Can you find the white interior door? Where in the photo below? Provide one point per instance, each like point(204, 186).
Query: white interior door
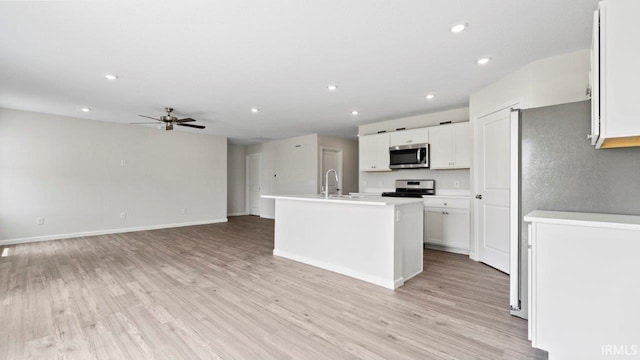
point(331, 159)
point(493, 146)
point(254, 183)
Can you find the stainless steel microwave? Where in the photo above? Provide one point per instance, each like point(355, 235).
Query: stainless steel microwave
point(409, 156)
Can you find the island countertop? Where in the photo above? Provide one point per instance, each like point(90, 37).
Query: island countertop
point(345, 199)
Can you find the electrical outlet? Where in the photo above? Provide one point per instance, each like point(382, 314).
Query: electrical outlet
point(456, 184)
point(183, 211)
point(123, 215)
point(40, 221)
point(123, 163)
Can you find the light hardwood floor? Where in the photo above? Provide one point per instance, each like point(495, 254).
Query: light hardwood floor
point(216, 292)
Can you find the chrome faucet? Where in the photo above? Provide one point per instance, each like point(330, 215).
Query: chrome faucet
point(326, 182)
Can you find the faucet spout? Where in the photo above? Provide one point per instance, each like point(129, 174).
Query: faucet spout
point(326, 182)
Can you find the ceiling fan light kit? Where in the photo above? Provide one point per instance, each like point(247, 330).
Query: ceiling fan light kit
point(170, 120)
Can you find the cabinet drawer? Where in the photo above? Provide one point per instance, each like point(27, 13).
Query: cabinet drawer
point(446, 203)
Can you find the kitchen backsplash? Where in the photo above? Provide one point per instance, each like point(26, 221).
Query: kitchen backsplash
point(385, 181)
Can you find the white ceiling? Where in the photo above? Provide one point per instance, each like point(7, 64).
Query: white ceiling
point(216, 60)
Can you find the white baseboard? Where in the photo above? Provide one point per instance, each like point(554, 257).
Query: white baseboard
point(238, 214)
point(387, 283)
point(268, 217)
point(106, 232)
point(447, 249)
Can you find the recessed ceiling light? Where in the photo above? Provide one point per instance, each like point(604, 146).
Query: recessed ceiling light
point(111, 77)
point(354, 112)
point(254, 110)
point(85, 109)
point(458, 28)
point(483, 61)
point(332, 87)
point(430, 96)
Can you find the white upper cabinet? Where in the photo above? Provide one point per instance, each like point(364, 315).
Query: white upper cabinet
point(374, 152)
point(450, 146)
point(409, 137)
point(615, 74)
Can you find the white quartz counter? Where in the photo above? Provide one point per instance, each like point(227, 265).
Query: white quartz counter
point(613, 221)
point(366, 200)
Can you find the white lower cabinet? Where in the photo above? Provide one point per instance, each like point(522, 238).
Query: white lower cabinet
point(446, 224)
point(583, 285)
point(433, 226)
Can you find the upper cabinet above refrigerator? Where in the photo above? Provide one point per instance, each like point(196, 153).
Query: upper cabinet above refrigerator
point(615, 75)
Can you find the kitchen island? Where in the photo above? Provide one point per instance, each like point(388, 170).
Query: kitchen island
point(374, 239)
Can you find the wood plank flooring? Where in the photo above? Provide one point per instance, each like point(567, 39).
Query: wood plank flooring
point(216, 292)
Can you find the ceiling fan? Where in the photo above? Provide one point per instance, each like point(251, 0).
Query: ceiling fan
point(170, 120)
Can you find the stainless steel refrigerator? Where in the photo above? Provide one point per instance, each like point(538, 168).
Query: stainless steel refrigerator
point(559, 169)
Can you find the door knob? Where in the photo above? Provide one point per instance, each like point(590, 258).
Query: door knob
point(479, 197)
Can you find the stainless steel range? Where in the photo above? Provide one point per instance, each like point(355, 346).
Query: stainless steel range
point(413, 188)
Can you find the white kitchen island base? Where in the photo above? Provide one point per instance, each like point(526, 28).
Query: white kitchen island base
point(378, 240)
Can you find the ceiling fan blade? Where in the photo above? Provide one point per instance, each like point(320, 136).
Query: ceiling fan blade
point(149, 117)
point(139, 123)
point(192, 126)
point(185, 120)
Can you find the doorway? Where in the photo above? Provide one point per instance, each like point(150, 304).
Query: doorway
point(492, 134)
point(253, 183)
point(331, 159)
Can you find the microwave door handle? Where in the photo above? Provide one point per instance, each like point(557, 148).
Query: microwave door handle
point(418, 155)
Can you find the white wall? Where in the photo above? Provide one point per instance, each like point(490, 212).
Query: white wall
point(445, 179)
point(349, 161)
point(417, 121)
point(69, 172)
point(556, 80)
point(236, 187)
point(289, 166)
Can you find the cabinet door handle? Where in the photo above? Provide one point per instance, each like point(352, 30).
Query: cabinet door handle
point(479, 196)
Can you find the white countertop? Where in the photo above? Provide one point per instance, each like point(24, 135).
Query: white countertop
point(367, 200)
point(629, 222)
